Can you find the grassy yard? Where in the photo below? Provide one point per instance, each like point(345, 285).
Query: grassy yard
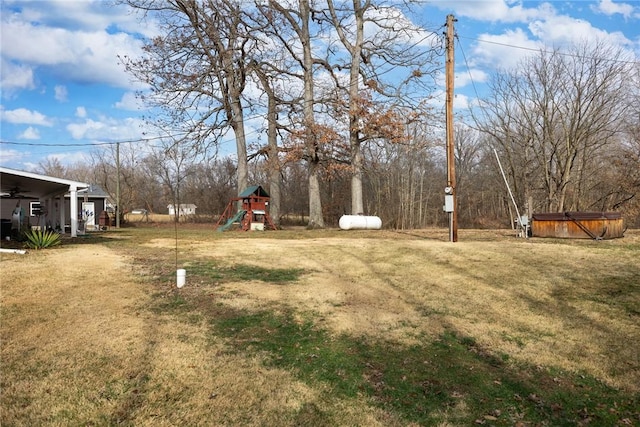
point(321, 328)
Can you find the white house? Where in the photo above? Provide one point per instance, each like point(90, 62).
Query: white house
point(42, 197)
point(183, 210)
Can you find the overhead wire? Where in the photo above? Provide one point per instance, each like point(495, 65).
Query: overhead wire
point(81, 144)
point(107, 143)
point(458, 37)
point(531, 49)
point(466, 62)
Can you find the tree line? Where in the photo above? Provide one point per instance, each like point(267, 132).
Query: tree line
point(342, 97)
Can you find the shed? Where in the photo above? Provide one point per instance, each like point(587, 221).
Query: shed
point(578, 225)
point(183, 210)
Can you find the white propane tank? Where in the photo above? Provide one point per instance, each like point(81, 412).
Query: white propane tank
point(360, 222)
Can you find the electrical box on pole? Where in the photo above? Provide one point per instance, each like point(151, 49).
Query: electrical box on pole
point(448, 200)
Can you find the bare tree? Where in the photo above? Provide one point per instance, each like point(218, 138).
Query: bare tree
point(211, 185)
point(553, 117)
point(619, 184)
point(468, 153)
point(51, 166)
point(138, 187)
point(376, 37)
point(299, 21)
point(403, 180)
point(196, 71)
point(173, 162)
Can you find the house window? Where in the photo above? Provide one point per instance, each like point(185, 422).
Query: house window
point(35, 209)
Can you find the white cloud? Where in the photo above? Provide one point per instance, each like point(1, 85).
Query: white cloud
point(470, 76)
point(608, 7)
point(76, 40)
point(85, 129)
point(61, 93)
point(461, 102)
point(500, 51)
point(551, 30)
point(81, 112)
point(30, 133)
point(10, 158)
point(495, 10)
point(70, 158)
point(24, 116)
point(107, 129)
point(564, 30)
point(85, 15)
point(81, 56)
point(129, 101)
point(15, 77)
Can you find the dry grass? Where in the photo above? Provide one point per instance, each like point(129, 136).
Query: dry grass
point(148, 218)
point(81, 345)
point(158, 218)
point(552, 303)
point(85, 338)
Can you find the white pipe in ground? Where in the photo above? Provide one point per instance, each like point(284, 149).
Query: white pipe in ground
point(181, 277)
point(13, 251)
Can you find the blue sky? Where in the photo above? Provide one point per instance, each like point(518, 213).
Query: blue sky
point(63, 88)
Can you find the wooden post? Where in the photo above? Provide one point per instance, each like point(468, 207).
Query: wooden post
point(451, 159)
point(118, 185)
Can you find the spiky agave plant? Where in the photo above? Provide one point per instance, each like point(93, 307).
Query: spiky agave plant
point(38, 239)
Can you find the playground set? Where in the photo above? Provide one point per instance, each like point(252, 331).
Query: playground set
point(251, 215)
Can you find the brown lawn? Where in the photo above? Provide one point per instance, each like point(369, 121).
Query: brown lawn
point(83, 340)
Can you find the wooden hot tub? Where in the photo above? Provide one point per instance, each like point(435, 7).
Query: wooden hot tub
point(578, 225)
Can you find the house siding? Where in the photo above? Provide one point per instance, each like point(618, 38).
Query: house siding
point(52, 219)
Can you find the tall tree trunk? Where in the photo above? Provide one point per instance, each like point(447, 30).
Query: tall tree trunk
point(357, 205)
point(355, 51)
point(273, 160)
point(316, 219)
point(241, 145)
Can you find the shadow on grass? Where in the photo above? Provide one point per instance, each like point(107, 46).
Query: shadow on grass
point(84, 239)
point(212, 272)
point(426, 383)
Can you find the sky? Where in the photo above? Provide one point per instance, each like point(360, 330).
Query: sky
point(64, 91)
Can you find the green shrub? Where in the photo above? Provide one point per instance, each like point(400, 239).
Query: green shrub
point(38, 239)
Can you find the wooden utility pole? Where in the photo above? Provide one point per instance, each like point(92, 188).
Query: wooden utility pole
point(118, 185)
point(451, 158)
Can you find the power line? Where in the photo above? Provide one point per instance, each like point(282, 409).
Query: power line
point(82, 144)
point(473, 83)
point(98, 144)
point(531, 49)
point(44, 144)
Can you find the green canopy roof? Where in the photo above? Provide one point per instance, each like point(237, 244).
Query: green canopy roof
point(255, 190)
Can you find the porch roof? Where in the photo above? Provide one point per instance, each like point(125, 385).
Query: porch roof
point(32, 185)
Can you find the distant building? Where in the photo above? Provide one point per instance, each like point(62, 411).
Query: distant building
point(183, 210)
